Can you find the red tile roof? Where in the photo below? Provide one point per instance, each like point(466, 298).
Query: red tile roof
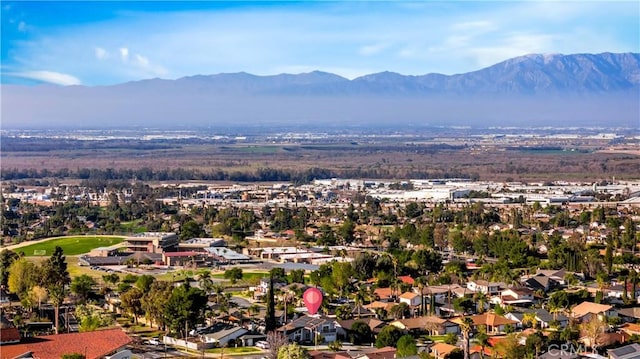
point(406, 279)
point(9, 335)
point(383, 293)
point(93, 344)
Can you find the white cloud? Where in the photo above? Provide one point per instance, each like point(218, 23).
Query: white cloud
point(373, 49)
point(101, 53)
point(22, 26)
point(446, 37)
point(49, 77)
point(124, 54)
point(512, 45)
point(473, 25)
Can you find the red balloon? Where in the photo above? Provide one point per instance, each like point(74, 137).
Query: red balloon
point(312, 299)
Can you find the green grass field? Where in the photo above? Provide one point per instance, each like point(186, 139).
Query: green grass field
point(71, 246)
point(245, 275)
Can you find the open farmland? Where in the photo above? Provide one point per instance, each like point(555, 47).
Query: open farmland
point(383, 157)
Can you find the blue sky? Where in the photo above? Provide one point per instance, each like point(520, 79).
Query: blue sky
point(102, 43)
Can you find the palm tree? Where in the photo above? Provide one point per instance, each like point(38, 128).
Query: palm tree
point(554, 309)
point(360, 295)
point(218, 290)
point(466, 326)
point(530, 318)
point(205, 282)
point(483, 339)
point(254, 310)
point(481, 300)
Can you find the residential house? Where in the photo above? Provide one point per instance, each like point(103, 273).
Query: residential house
point(545, 319)
point(427, 324)
point(406, 279)
point(95, 344)
point(631, 328)
point(375, 306)
point(494, 323)
point(617, 291)
point(9, 334)
point(631, 351)
point(483, 286)
point(540, 282)
point(557, 275)
point(383, 293)
point(629, 314)
point(374, 324)
point(585, 310)
point(515, 297)
point(360, 311)
point(517, 317)
point(305, 329)
point(263, 287)
point(222, 337)
point(411, 299)
point(442, 350)
point(367, 353)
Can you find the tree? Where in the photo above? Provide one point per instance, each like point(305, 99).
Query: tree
point(406, 346)
point(81, 286)
point(55, 279)
point(535, 341)
point(6, 259)
point(531, 319)
point(270, 319)
point(482, 339)
point(73, 356)
point(363, 265)
point(39, 295)
point(360, 333)
point(131, 301)
point(335, 346)
point(111, 278)
point(296, 276)
point(388, 337)
point(399, 311)
point(481, 298)
point(191, 229)
point(144, 282)
point(276, 341)
point(233, 274)
point(56, 297)
point(466, 326)
point(293, 351)
point(185, 308)
point(21, 277)
point(510, 348)
point(593, 330)
point(154, 302)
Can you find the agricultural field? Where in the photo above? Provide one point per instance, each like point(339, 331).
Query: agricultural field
point(72, 246)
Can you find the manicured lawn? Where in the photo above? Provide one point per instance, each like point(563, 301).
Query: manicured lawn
point(245, 275)
point(71, 246)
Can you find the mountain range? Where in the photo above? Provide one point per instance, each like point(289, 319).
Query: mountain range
point(533, 90)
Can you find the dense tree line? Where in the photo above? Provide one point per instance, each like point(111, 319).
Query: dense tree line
point(185, 174)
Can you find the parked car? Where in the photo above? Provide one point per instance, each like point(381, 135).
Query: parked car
point(262, 344)
point(154, 341)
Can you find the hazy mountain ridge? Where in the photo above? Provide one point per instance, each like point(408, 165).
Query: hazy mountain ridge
point(542, 90)
point(524, 75)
